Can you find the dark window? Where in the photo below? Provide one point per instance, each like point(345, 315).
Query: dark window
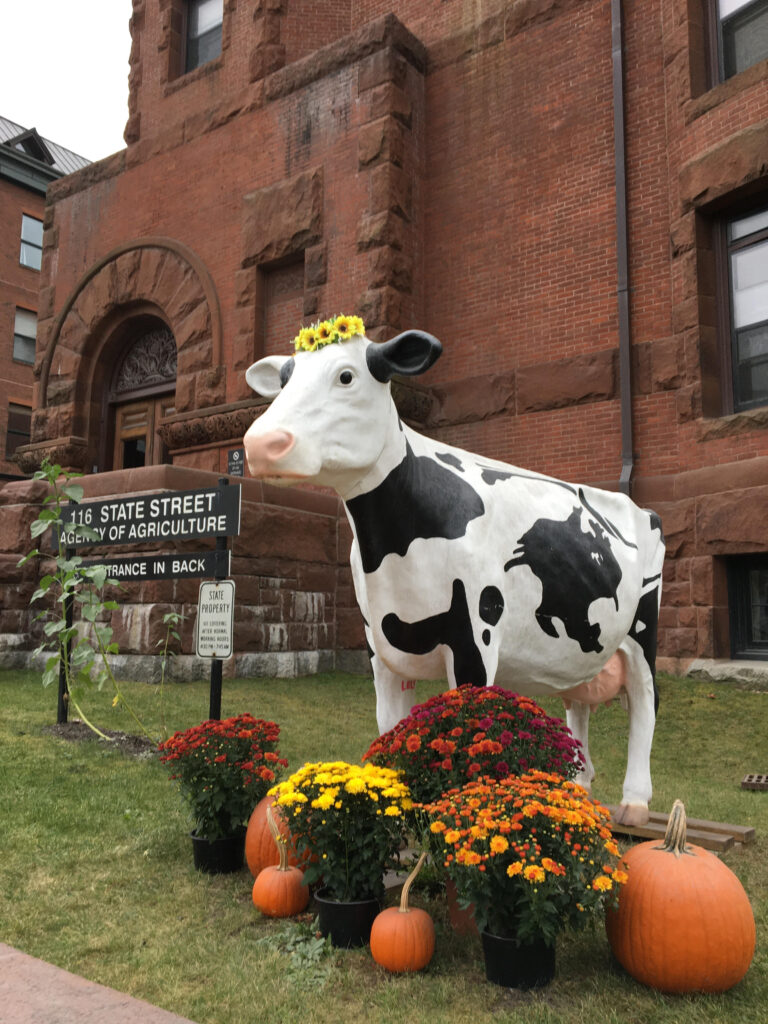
point(31, 254)
point(742, 34)
point(19, 427)
point(748, 603)
point(24, 336)
point(746, 241)
point(204, 19)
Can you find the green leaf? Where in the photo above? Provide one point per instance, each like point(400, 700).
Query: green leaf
point(74, 492)
point(27, 558)
point(90, 612)
point(51, 674)
point(97, 574)
point(57, 626)
point(38, 528)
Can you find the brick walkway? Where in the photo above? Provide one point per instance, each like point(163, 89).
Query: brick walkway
point(34, 992)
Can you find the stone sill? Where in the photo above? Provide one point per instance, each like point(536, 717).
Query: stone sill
point(745, 675)
point(727, 90)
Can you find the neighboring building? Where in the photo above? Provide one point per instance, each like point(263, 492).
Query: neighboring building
point(571, 194)
point(28, 163)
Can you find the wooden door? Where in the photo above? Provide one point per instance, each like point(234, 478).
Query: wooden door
point(137, 442)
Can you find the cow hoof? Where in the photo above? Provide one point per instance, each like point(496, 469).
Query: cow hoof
point(632, 815)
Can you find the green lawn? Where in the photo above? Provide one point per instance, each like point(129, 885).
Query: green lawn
point(96, 870)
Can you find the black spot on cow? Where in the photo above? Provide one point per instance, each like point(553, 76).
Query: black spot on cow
point(450, 460)
point(486, 636)
point(490, 476)
point(452, 628)
point(575, 568)
point(644, 629)
point(606, 524)
point(491, 605)
point(418, 499)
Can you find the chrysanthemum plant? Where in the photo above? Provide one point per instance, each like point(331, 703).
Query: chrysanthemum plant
point(532, 853)
point(347, 823)
point(471, 732)
point(223, 768)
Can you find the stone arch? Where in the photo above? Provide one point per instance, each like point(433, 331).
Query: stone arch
point(150, 276)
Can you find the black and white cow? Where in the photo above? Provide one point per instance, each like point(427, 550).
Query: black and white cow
point(465, 567)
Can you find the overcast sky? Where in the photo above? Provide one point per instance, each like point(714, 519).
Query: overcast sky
point(64, 71)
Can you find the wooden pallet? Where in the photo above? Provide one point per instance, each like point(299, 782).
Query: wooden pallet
point(712, 835)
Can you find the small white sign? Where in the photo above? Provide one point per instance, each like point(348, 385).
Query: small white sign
point(215, 619)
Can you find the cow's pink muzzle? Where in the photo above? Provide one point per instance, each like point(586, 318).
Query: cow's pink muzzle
point(264, 452)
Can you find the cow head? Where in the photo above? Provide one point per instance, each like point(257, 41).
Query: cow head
point(332, 413)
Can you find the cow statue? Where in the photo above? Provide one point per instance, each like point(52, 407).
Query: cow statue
point(466, 568)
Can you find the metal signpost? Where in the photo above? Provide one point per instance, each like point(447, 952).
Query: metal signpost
point(168, 516)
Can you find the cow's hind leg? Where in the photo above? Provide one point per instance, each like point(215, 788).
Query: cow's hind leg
point(641, 705)
point(577, 716)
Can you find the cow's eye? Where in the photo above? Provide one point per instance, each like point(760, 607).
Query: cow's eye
point(346, 377)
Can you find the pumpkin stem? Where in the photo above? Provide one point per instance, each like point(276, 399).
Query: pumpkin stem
point(675, 836)
point(409, 882)
point(279, 841)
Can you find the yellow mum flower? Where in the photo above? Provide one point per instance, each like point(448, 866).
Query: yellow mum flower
point(393, 811)
point(534, 873)
point(515, 869)
point(452, 836)
point(602, 884)
point(499, 844)
point(437, 826)
point(620, 877)
point(355, 785)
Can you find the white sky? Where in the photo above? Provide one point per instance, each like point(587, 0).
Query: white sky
point(64, 71)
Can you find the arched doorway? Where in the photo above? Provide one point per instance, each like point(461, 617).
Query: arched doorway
point(141, 393)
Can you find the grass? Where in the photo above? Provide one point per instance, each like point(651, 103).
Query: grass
point(96, 870)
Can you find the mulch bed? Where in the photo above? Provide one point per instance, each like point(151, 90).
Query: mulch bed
point(76, 731)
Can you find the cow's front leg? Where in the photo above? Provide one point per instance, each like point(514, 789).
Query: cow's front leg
point(577, 716)
point(395, 696)
point(642, 720)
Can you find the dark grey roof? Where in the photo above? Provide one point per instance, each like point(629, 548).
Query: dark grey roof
point(64, 160)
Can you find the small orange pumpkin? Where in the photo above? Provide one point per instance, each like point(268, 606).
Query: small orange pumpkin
point(279, 890)
point(260, 849)
point(684, 922)
point(403, 938)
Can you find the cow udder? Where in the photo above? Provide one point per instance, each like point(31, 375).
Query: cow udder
point(604, 688)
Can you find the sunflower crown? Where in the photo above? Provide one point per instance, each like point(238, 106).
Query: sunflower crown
point(327, 332)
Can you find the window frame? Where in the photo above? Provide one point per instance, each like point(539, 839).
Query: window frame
point(24, 436)
point(25, 337)
point(31, 245)
point(716, 44)
point(743, 646)
point(726, 329)
point(186, 69)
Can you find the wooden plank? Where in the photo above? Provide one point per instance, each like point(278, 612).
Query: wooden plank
point(740, 833)
point(711, 835)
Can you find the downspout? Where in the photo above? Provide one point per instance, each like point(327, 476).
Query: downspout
point(622, 248)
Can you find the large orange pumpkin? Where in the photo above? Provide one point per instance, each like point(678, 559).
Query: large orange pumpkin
point(260, 848)
point(683, 923)
point(403, 938)
point(279, 890)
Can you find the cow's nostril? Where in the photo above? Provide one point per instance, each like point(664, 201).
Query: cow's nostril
point(279, 443)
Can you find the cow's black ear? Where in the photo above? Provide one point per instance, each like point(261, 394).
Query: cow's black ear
point(410, 353)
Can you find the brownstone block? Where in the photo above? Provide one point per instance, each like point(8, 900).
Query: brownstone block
point(384, 66)
point(381, 140)
point(733, 522)
point(283, 219)
point(382, 229)
point(586, 378)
